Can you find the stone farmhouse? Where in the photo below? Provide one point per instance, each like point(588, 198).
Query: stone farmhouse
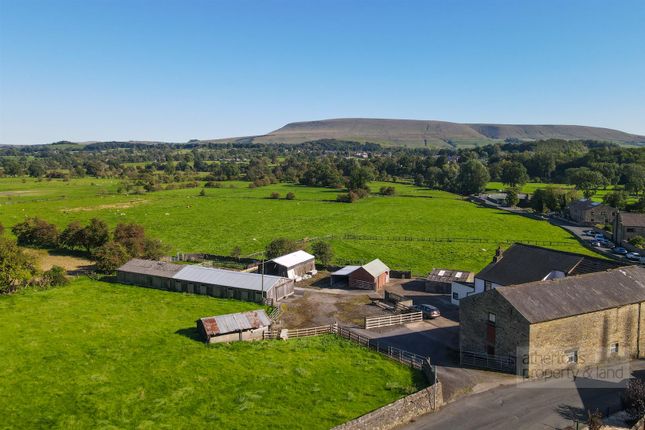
point(563, 323)
point(521, 263)
point(588, 212)
point(627, 225)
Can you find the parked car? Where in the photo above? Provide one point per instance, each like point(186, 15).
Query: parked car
point(595, 243)
point(599, 236)
point(607, 243)
point(588, 232)
point(429, 311)
point(633, 256)
point(619, 250)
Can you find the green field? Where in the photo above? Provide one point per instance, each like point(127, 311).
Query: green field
point(244, 217)
point(530, 188)
point(99, 355)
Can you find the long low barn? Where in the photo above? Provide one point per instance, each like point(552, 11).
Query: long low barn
point(250, 287)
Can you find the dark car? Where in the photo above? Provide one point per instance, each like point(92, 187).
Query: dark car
point(429, 311)
point(619, 250)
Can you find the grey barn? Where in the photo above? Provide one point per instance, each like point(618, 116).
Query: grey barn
point(230, 284)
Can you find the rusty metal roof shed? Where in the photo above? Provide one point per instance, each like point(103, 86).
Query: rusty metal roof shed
point(232, 323)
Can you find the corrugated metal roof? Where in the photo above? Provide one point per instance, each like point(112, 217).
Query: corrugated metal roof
point(227, 278)
point(376, 267)
point(149, 267)
point(564, 297)
point(231, 323)
point(293, 259)
point(345, 271)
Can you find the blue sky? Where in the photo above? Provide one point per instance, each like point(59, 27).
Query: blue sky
point(177, 70)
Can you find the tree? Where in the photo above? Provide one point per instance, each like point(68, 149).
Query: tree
point(512, 198)
point(472, 178)
point(586, 180)
point(73, 236)
point(36, 232)
point(131, 236)
point(202, 193)
point(513, 174)
point(359, 177)
point(36, 169)
point(16, 267)
point(96, 234)
point(110, 256)
point(323, 252)
point(55, 277)
point(615, 199)
point(634, 178)
point(274, 196)
point(281, 246)
point(153, 249)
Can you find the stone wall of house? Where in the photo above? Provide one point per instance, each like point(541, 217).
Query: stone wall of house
point(399, 412)
point(511, 328)
point(591, 335)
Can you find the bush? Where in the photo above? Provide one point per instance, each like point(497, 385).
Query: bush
point(387, 191)
point(512, 198)
point(638, 241)
point(274, 196)
point(110, 257)
point(633, 398)
point(36, 232)
point(154, 249)
point(212, 184)
point(202, 193)
point(1, 229)
point(55, 277)
point(17, 268)
point(290, 196)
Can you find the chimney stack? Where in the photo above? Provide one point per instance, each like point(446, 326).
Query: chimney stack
point(498, 254)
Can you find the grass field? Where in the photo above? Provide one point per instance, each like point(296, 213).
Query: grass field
point(99, 355)
point(244, 217)
point(530, 188)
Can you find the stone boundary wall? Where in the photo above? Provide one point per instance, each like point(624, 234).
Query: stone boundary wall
point(399, 412)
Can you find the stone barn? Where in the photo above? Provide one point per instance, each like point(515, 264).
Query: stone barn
point(222, 283)
point(440, 280)
point(371, 276)
point(293, 266)
point(234, 327)
point(565, 323)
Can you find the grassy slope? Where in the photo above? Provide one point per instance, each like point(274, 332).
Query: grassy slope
point(245, 217)
point(99, 355)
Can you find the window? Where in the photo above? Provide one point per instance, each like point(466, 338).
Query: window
point(487, 285)
point(613, 348)
point(572, 356)
point(491, 318)
point(455, 296)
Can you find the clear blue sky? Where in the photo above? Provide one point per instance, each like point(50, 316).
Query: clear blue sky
point(176, 70)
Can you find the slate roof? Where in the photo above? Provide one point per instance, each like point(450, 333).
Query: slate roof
point(152, 268)
point(584, 204)
point(526, 263)
point(227, 278)
point(631, 219)
point(293, 259)
point(448, 275)
point(565, 297)
point(231, 323)
point(375, 267)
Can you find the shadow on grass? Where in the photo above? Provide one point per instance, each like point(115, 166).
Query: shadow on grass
point(191, 333)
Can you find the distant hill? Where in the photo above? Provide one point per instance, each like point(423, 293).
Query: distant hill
point(419, 133)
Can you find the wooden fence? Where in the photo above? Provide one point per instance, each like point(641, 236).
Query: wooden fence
point(300, 332)
point(388, 320)
point(448, 239)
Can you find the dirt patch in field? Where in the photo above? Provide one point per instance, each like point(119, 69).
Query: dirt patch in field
point(309, 308)
point(124, 205)
point(72, 263)
point(18, 193)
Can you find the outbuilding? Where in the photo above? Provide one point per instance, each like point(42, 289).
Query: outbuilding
point(293, 266)
point(440, 280)
point(234, 327)
point(222, 283)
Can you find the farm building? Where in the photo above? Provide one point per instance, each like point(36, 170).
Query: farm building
point(293, 266)
point(556, 324)
point(627, 225)
point(440, 280)
point(251, 287)
point(588, 212)
point(371, 276)
point(233, 327)
point(521, 263)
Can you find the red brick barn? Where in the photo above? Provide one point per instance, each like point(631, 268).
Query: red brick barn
point(372, 276)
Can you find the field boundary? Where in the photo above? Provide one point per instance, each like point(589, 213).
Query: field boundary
point(390, 320)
